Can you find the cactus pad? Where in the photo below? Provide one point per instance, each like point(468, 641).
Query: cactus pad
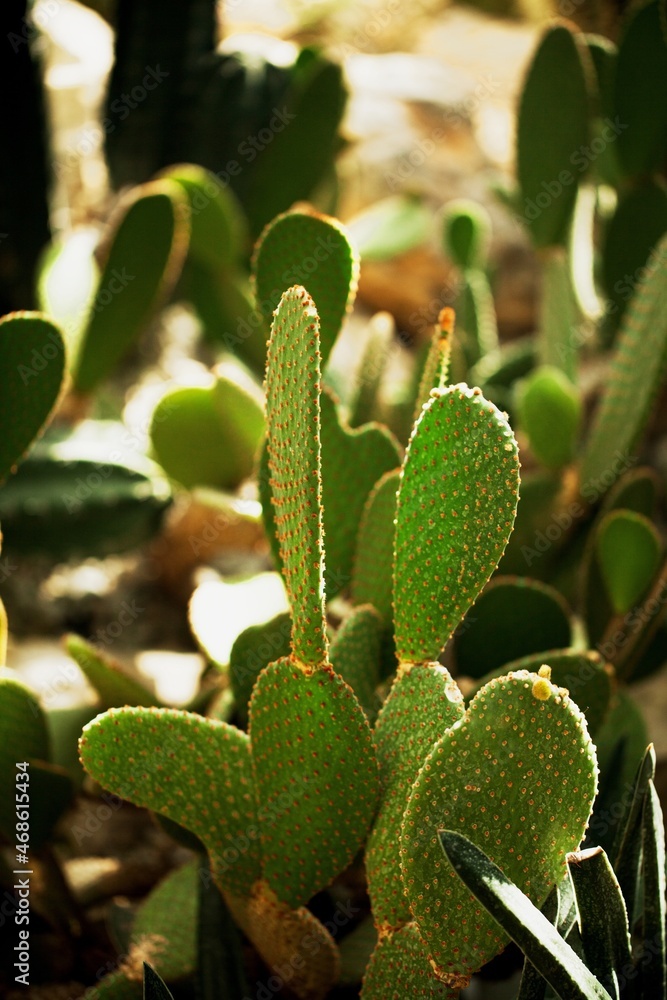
point(144, 260)
point(194, 771)
point(436, 366)
point(285, 252)
point(316, 777)
point(32, 363)
point(456, 508)
point(114, 687)
point(371, 580)
point(519, 775)
point(355, 655)
point(293, 445)
point(399, 968)
point(422, 705)
point(352, 462)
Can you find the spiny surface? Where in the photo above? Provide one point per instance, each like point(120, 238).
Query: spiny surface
point(518, 776)
point(635, 377)
point(195, 771)
point(355, 655)
point(252, 651)
point(436, 366)
point(32, 364)
point(352, 463)
point(371, 580)
point(304, 248)
point(316, 777)
point(399, 968)
point(422, 705)
point(293, 443)
point(456, 508)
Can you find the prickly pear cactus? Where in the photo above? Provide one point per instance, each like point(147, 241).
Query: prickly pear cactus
point(519, 775)
point(456, 507)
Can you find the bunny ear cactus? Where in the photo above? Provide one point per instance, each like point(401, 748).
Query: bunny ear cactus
point(466, 234)
point(142, 264)
point(519, 774)
point(32, 365)
point(314, 251)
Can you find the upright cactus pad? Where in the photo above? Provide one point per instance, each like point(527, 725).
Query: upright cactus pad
point(315, 774)
point(355, 655)
point(636, 374)
point(352, 462)
point(195, 771)
point(32, 364)
point(371, 580)
point(436, 366)
point(456, 508)
point(519, 776)
point(312, 250)
point(143, 263)
point(293, 419)
point(399, 968)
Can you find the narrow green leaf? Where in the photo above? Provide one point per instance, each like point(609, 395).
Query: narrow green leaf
point(533, 985)
point(603, 919)
point(653, 971)
point(521, 920)
point(628, 847)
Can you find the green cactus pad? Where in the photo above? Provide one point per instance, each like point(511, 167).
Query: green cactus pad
point(355, 655)
point(315, 775)
point(371, 579)
point(32, 363)
point(377, 350)
point(590, 681)
point(634, 379)
point(24, 736)
point(550, 410)
point(638, 490)
point(176, 894)
point(195, 771)
point(218, 229)
point(143, 262)
point(476, 315)
point(66, 282)
point(629, 238)
point(293, 445)
point(399, 968)
point(283, 258)
point(466, 233)
point(113, 685)
point(422, 705)
point(640, 91)
point(519, 775)
point(546, 138)
point(252, 651)
point(560, 318)
point(629, 550)
point(513, 617)
point(227, 415)
point(436, 365)
point(456, 507)
point(81, 507)
point(352, 463)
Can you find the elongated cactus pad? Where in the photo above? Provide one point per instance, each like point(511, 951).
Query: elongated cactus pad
point(635, 377)
point(32, 363)
point(144, 261)
point(293, 443)
point(546, 138)
point(456, 508)
point(436, 366)
point(422, 705)
point(114, 687)
point(304, 248)
point(550, 410)
point(355, 655)
point(316, 777)
point(195, 771)
point(371, 579)
point(352, 463)
point(519, 775)
point(629, 550)
point(399, 968)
